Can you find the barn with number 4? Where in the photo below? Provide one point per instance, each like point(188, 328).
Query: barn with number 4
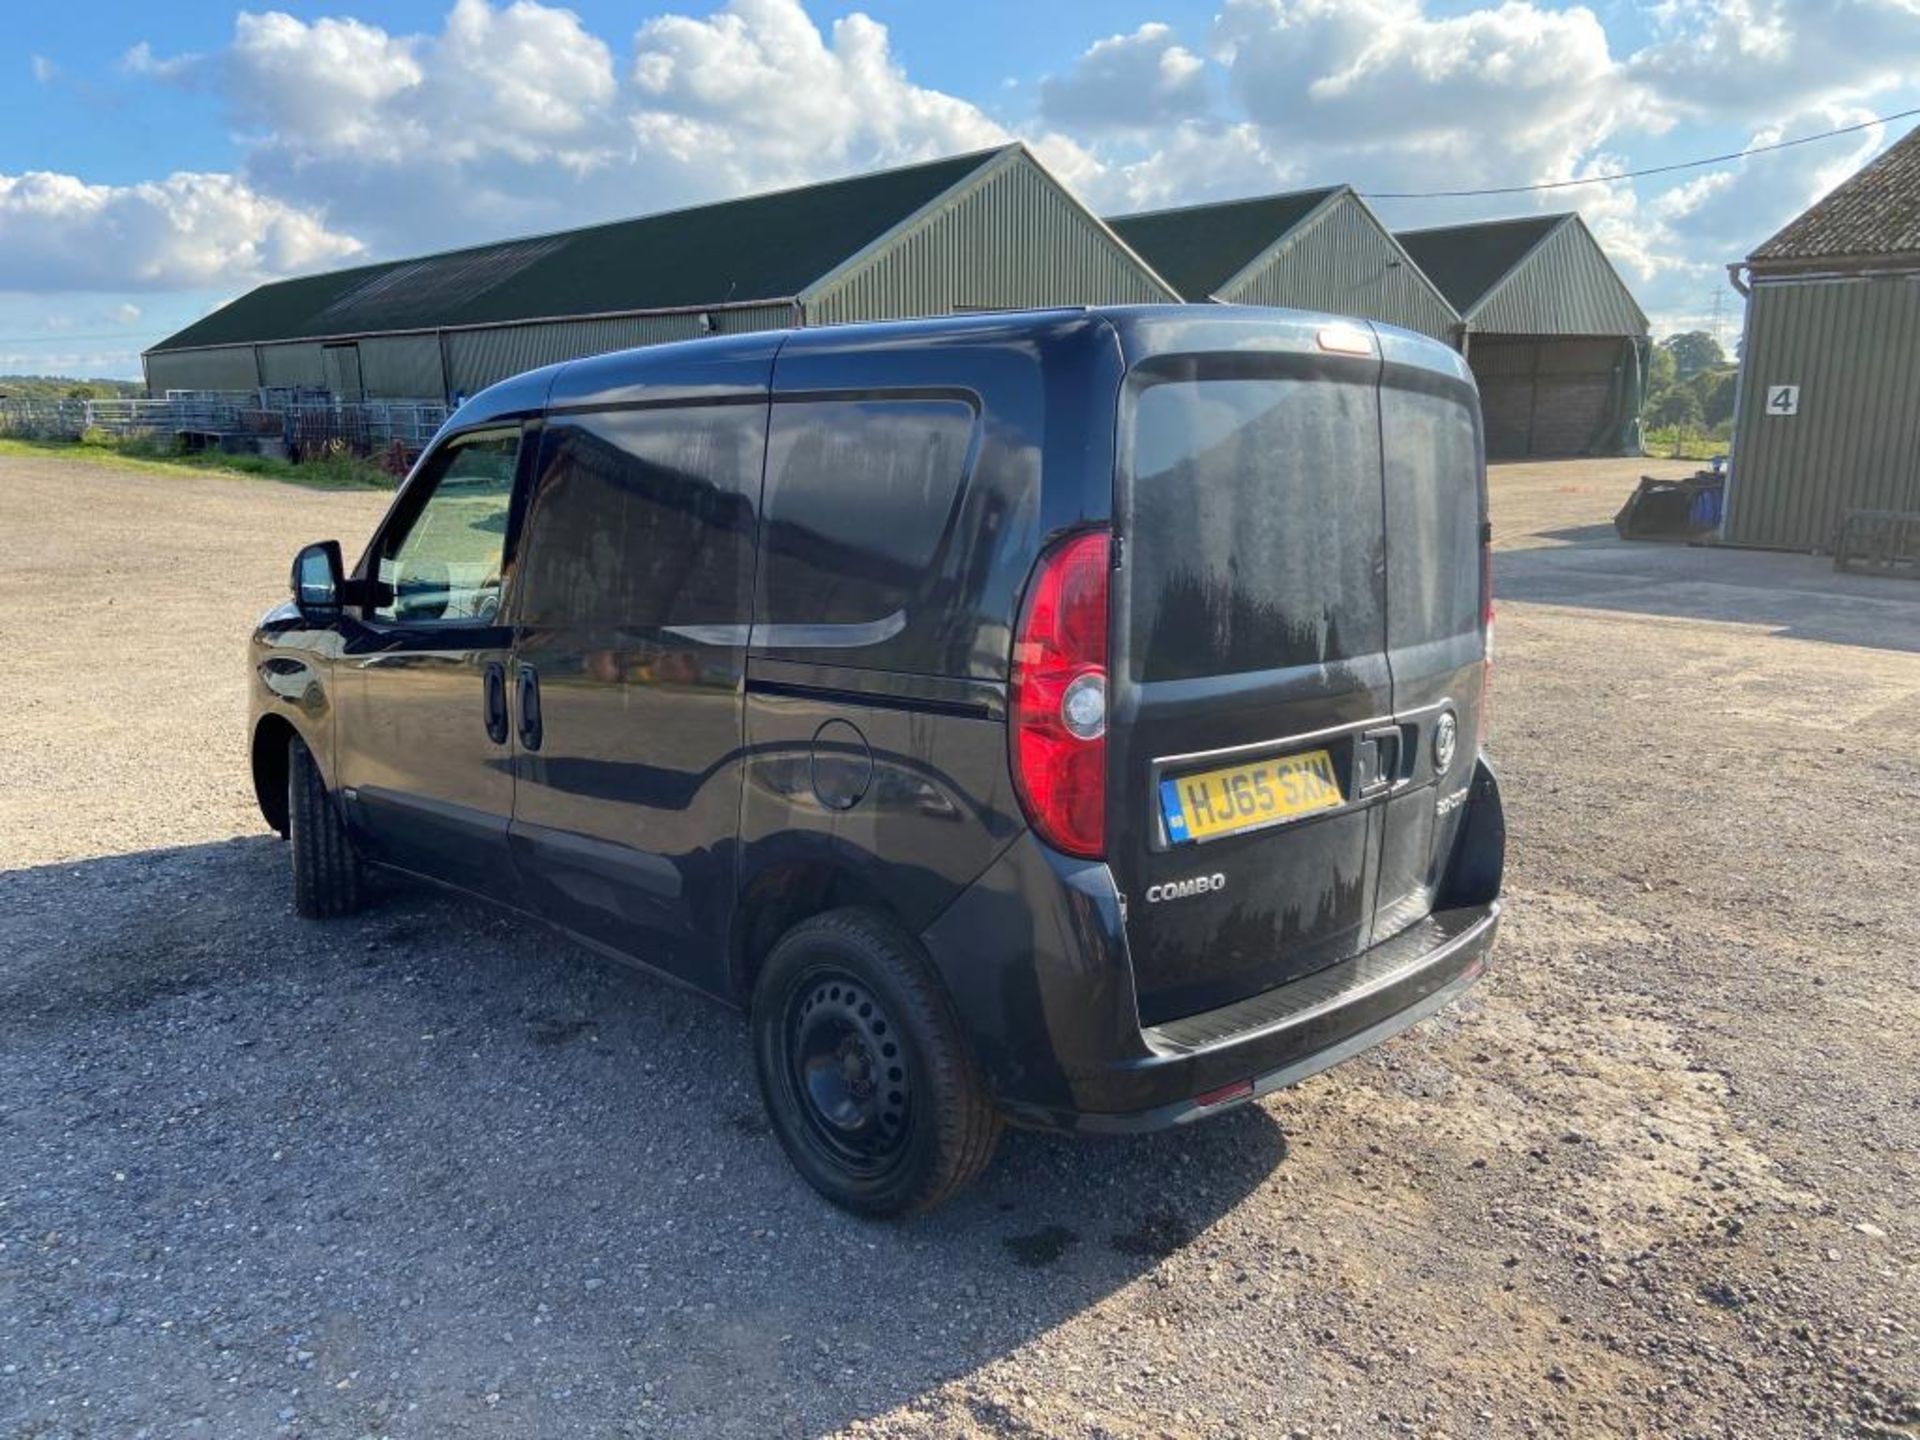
point(1827, 422)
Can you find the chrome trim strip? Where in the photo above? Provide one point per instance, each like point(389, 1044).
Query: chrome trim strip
point(795, 637)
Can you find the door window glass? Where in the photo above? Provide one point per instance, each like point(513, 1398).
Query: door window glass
point(444, 565)
point(1256, 531)
point(859, 495)
point(644, 518)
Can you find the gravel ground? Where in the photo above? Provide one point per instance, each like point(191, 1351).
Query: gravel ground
point(431, 1172)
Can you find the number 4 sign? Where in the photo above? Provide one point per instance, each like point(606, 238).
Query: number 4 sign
point(1783, 399)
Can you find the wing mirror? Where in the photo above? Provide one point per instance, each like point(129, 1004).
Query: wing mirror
point(318, 582)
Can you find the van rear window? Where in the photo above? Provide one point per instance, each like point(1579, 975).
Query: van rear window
point(1255, 535)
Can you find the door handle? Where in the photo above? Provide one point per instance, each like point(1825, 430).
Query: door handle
point(1377, 761)
point(496, 702)
point(529, 688)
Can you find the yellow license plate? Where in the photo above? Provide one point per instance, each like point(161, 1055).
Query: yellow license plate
point(1246, 797)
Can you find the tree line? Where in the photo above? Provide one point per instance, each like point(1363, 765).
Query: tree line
point(1690, 385)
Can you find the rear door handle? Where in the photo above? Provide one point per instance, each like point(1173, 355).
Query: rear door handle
point(529, 688)
point(496, 702)
point(1377, 761)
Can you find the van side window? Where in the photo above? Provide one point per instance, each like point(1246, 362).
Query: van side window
point(644, 518)
point(444, 563)
point(859, 496)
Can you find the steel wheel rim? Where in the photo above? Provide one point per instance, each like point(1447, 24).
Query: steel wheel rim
point(847, 1070)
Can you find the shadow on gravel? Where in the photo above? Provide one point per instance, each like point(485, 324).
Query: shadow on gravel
point(433, 1171)
point(1799, 597)
point(1582, 534)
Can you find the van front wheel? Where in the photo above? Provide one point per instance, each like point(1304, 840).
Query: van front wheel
point(866, 1077)
point(326, 872)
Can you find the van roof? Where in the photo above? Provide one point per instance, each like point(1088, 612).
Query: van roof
point(1143, 331)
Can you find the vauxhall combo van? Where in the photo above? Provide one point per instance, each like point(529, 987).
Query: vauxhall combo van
point(1068, 719)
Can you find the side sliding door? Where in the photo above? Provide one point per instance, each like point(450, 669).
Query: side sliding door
point(632, 611)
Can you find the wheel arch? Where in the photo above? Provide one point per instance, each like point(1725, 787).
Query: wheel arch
point(271, 734)
point(779, 896)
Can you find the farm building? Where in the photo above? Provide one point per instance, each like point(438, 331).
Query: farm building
point(1554, 337)
point(1828, 414)
point(1315, 249)
point(987, 231)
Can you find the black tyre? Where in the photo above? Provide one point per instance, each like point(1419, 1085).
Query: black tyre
point(866, 1077)
point(326, 872)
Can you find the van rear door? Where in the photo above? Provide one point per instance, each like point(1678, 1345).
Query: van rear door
point(1436, 505)
point(1252, 743)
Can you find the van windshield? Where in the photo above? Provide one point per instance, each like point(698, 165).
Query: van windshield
point(1256, 526)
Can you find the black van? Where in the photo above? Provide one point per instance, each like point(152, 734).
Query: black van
point(1068, 719)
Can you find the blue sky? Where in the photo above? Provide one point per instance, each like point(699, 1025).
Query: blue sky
point(156, 161)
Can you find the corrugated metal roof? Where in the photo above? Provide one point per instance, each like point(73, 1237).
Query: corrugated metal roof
point(1565, 285)
point(762, 247)
point(1198, 248)
point(1466, 261)
point(1342, 260)
point(1874, 212)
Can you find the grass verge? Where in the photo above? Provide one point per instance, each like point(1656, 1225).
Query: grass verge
point(1677, 442)
point(327, 472)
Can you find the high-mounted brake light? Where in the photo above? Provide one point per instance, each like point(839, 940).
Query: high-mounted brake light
point(1345, 340)
point(1059, 696)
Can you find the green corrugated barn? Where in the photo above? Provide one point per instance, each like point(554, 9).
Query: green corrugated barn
point(1828, 414)
point(988, 231)
point(1555, 339)
point(1314, 249)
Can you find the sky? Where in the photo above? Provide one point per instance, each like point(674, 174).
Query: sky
point(156, 161)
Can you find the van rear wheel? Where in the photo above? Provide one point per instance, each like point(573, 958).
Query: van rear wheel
point(326, 872)
point(866, 1077)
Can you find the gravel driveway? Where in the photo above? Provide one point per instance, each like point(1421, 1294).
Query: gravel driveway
point(431, 1172)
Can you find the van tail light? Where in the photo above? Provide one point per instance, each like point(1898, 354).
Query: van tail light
point(1059, 696)
point(1486, 632)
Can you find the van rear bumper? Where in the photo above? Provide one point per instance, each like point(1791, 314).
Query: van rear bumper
point(1286, 1034)
point(1034, 956)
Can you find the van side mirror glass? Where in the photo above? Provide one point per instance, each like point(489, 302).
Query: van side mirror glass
point(316, 580)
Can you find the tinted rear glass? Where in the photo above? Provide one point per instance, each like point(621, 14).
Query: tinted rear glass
point(859, 497)
point(643, 518)
point(1255, 535)
point(1433, 485)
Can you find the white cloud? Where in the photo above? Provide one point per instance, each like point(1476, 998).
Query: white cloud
point(515, 117)
point(1761, 57)
point(324, 87)
point(1197, 161)
point(1129, 83)
point(59, 233)
point(760, 92)
point(140, 60)
point(1482, 97)
point(45, 72)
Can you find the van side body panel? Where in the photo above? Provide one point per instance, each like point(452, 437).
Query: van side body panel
point(876, 742)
